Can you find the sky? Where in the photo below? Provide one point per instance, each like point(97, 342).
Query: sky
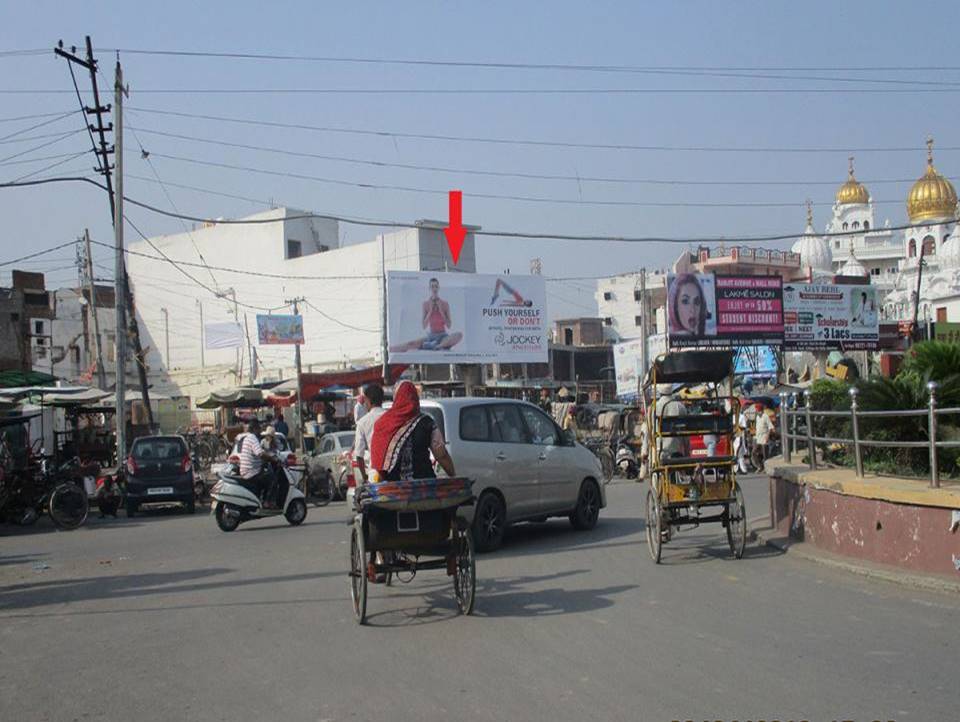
point(855, 42)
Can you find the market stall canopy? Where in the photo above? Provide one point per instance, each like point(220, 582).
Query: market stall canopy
point(56, 395)
point(111, 399)
point(315, 384)
point(244, 397)
point(11, 379)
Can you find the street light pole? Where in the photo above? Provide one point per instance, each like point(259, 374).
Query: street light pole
point(120, 271)
point(203, 364)
point(166, 334)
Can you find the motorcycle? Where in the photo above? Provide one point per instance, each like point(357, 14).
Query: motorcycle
point(626, 461)
point(234, 502)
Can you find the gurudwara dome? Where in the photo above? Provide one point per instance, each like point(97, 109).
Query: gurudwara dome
point(814, 251)
point(853, 191)
point(933, 197)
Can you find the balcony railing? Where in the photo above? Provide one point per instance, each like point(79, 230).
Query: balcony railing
point(798, 424)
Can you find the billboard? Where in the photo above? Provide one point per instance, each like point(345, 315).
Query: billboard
point(755, 360)
point(627, 361)
point(442, 318)
point(821, 316)
point(272, 330)
point(708, 310)
point(222, 335)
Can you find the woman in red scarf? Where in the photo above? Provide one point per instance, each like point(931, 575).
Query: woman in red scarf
point(403, 438)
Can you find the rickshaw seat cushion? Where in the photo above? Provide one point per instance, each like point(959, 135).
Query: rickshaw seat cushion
point(692, 460)
point(696, 424)
point(417, 494)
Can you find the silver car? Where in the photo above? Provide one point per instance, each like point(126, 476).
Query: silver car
point(330, 459)
point(523, 466)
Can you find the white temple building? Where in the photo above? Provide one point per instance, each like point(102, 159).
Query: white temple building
point(890, 257)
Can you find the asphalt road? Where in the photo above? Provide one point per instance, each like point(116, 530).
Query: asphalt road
point(164, 617)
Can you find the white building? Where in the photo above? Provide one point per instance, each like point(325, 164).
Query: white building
point(72, 348)
point(273, 257)
point(618, 304)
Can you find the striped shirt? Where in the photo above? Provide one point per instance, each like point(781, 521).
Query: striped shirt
point(250, 461)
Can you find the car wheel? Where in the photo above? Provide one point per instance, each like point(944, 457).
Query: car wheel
point(587, 511)
point(131, 509)
point(342, 484)
point(489, 522)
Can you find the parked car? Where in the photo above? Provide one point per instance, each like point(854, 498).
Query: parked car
point(331, 457)
point(159, 470)
point(524, 467)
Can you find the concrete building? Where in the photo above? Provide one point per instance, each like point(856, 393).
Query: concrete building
point(26, 320)
point(74, 338)
point(274, 256)
point(618, 303)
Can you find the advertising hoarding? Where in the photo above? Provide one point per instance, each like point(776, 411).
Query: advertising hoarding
point(279, 330)
point(442, 318)
point(821, 316)
point(708, 310)
point(627, 361)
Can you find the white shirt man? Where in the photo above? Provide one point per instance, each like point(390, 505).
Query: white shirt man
point(364, 435)
point(763, 428)
point(251, 452)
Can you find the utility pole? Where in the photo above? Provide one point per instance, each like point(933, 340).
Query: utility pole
point(246, 331)
point(298, 413)
point(203, 364)
point(92, 290)
point(120, 274)
point(644, 330)
point(383, 314)
point(166, 335)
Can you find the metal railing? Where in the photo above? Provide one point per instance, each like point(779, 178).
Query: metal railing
point(791, 432)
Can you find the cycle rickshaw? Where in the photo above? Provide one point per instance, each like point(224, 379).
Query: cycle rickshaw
point(402, 527)
point(692, 467)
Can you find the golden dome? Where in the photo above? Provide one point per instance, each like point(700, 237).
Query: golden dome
point(932, 197)
point(853, 191)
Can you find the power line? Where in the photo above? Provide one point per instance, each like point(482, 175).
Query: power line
point(41, 158)
point(338, 322)
point(38, 253)
point(688, 240)
point(506, 174)
point(508, 91)
point(34, 116)
point(42, 145)
point(539, 142)
point(37, 125)
point(39, 136)
point(50, 166)
point(500, 196)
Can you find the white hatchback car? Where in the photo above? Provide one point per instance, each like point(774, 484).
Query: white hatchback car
point(523, 466)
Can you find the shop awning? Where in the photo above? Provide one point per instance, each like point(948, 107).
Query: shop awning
point(9, 379)
point(314, 384)
point(243, 397)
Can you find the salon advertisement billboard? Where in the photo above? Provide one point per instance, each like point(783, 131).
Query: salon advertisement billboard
point(444, 318)
point(829, 316)
point(706, 310)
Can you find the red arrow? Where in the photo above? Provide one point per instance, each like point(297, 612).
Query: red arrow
point(455, 232)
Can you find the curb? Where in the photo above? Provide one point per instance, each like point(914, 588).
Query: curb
point(798, 549)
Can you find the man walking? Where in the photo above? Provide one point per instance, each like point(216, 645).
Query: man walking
point(373, 393)
point(762, 428)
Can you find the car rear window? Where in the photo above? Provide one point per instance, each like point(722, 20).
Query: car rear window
point(160, 449)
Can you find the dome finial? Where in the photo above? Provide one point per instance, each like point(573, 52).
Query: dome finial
point(930, 151)
point(809, 213)
point(850, 166)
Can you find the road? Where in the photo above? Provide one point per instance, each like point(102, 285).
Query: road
point(164, 617)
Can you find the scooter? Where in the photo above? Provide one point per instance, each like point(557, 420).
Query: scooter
point(626, 461)
point(234, 503)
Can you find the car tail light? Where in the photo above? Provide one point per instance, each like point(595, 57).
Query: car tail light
point(185, 465)
point(132, 467)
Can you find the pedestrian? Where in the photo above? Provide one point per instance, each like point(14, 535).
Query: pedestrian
point(545, 403)
point(280, 426)
point(373, 393)
point(762, 429)
point(361, 407)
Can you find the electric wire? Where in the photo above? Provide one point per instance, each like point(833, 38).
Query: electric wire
point(50, 166)
point(537, 142)
point(37, 125)
point(339, 322)
point(506, 174)
point(39, 136)
point(42, 145)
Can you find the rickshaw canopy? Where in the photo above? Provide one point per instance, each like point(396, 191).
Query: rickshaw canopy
point(687, 367)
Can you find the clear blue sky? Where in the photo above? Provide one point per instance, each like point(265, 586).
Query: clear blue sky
point(748, 34)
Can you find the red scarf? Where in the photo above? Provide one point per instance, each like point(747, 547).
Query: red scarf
point(391, 426)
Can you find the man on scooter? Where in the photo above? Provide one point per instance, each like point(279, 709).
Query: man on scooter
point(252, 457)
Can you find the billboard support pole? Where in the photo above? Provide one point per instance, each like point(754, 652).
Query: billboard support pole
point(383, 314)
point(644, 331)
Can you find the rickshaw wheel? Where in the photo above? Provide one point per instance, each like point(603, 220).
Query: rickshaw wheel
point(737, 527)
point(654, 526)
point(358, 574)
point(465, 576)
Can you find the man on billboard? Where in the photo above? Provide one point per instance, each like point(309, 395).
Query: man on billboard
point(437, 320)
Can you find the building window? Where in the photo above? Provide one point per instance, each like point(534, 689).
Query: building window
point(568, 336)
point(636, 294)
point(874, 271)
point(38, 328)
point(294, 248)
point(607, 321)
point(866, 225)
point(845, 226)
point(608, 295)
point(638, 320)
point(929, 246)
point(892, 270)
point(856, 225)
point(836, 244)
point(912, 248)
point(941, 314)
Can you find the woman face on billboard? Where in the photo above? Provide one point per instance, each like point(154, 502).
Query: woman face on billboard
point(688, 313)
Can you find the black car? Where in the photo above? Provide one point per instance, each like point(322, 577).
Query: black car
point(159, 470)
